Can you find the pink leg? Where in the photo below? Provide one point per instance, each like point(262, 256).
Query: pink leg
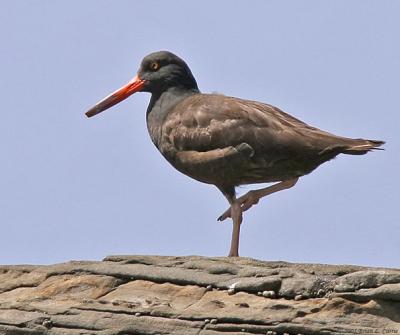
point(251, 198)
point(236, 221)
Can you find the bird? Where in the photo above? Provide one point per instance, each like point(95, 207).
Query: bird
point(227, 141)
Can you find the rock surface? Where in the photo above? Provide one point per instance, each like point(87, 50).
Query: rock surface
point(128, 295)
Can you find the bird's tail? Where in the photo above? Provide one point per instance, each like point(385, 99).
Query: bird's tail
point(361, 146)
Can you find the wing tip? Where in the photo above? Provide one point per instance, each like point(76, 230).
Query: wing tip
point(366, 146)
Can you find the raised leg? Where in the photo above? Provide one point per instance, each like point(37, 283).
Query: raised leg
point(253, 197)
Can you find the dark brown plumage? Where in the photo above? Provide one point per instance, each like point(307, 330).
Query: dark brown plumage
point(228, 141)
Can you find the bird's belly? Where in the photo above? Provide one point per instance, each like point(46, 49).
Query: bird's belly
point(264, 168)
point(252, 171)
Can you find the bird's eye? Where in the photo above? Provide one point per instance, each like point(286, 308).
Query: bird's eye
point(154, 66)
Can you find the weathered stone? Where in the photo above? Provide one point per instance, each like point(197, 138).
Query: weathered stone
point(254, 284)
point(128, 295)
point(231, 290)
point(269, 294)
point(369, 278)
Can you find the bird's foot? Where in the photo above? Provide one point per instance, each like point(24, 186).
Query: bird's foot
point(233, 254)
point(246, 202)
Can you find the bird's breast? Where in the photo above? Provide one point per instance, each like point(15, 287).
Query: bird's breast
point(158, 110)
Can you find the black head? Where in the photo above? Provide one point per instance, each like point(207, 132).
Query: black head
point(162, 70)
point(158, 72)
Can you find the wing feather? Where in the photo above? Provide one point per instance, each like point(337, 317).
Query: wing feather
point(201, 136)
point(207, 122)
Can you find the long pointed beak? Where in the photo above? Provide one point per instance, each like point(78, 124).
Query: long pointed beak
point(135, 85)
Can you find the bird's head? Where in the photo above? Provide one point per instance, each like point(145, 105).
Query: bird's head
point(158, 72)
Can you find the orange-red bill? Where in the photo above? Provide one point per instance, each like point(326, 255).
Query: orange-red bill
point(135, 85)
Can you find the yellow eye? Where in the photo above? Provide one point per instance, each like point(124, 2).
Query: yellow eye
point(154, 66)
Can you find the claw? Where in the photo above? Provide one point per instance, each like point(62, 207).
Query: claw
point(246, 202)
point(225, 215)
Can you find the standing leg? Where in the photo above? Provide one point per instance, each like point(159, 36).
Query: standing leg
point(236, 214)
point(236, 211)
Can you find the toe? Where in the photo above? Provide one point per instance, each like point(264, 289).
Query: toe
point(249, 202)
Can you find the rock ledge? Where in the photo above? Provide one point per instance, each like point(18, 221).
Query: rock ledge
point(128, 295)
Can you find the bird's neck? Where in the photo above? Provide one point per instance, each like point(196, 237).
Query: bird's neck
point(159, 107)
point(162, 102)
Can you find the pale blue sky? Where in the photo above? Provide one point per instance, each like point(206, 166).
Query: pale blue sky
point(78, 188)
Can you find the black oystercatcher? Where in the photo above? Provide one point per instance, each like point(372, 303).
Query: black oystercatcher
point(227, 141)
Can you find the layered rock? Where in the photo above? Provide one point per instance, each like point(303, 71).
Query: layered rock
point(129, 295)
